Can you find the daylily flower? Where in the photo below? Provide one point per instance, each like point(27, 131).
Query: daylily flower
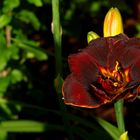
point(105, 71)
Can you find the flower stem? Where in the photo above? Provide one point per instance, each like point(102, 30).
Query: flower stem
point(119, 115)
point(58, 65)
point(57, 36)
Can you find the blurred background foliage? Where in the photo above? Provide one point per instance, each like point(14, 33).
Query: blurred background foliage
point(29, 105)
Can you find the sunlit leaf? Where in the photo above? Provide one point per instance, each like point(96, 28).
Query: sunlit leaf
point(38, 53)
point(5, 52)
point(111, 129)
point(14, 50)
point(4, 82)
point(27, 126)
point(9, 5)
point(16, 76)
point(29, 17)
point(6, 110)
point(4, 20)
point(3, 135)
point(37, 3)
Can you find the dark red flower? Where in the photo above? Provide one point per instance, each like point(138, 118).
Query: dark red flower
point(105, 71)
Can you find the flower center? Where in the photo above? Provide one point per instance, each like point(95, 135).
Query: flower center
point(114, 81)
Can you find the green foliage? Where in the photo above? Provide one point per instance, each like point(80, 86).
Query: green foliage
point(9, 5)
point(4, 82)
point(3, 135)
point(27, 126)
point(37, 3)
point(29, 17)
point(16, 48)
point(4, 20)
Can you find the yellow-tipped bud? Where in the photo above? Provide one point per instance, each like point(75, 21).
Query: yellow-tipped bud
point(91, 36)
point(113, 23)
point(124, 136)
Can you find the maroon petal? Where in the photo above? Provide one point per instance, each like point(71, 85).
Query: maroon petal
point(131, 58)
point(98, 49)
point(125, 53)
point(135, 71)
point(83, 67)
point(106, 50)
point(76, 94)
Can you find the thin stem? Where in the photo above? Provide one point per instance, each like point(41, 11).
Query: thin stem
point(119, 115)
point(58, 63)
point(8, 35)
point(57, 36)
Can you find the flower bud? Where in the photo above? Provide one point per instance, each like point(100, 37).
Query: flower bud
point(113, 23)
point(124, 136)
point(91, 36)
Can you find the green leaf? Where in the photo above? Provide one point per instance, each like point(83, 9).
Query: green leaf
point(27, 126)
point(37, 3)
point(29, 17)
point(95, 6)
point(14, 50)
point(16, 76)
point(4, 82)
point(30, 55)
point(6, 110)
point(38, 53)
point(3, 135)
point(111, 129)
point(5, 52)
point(4, 20)
point(9, 5)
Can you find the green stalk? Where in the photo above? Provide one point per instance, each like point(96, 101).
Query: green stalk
point(57, 36)
point(58, 65)
point(119, 115)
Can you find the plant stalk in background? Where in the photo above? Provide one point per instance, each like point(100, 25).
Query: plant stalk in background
point(57, 36)
point(58, 65)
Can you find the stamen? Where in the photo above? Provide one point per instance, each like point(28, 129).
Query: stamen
point(117, 66)
point(115, 84)
point(117, 79)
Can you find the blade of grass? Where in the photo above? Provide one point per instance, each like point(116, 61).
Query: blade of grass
point(111, 129)
point(98, 132)
point(28, 126)
point(22, 104)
